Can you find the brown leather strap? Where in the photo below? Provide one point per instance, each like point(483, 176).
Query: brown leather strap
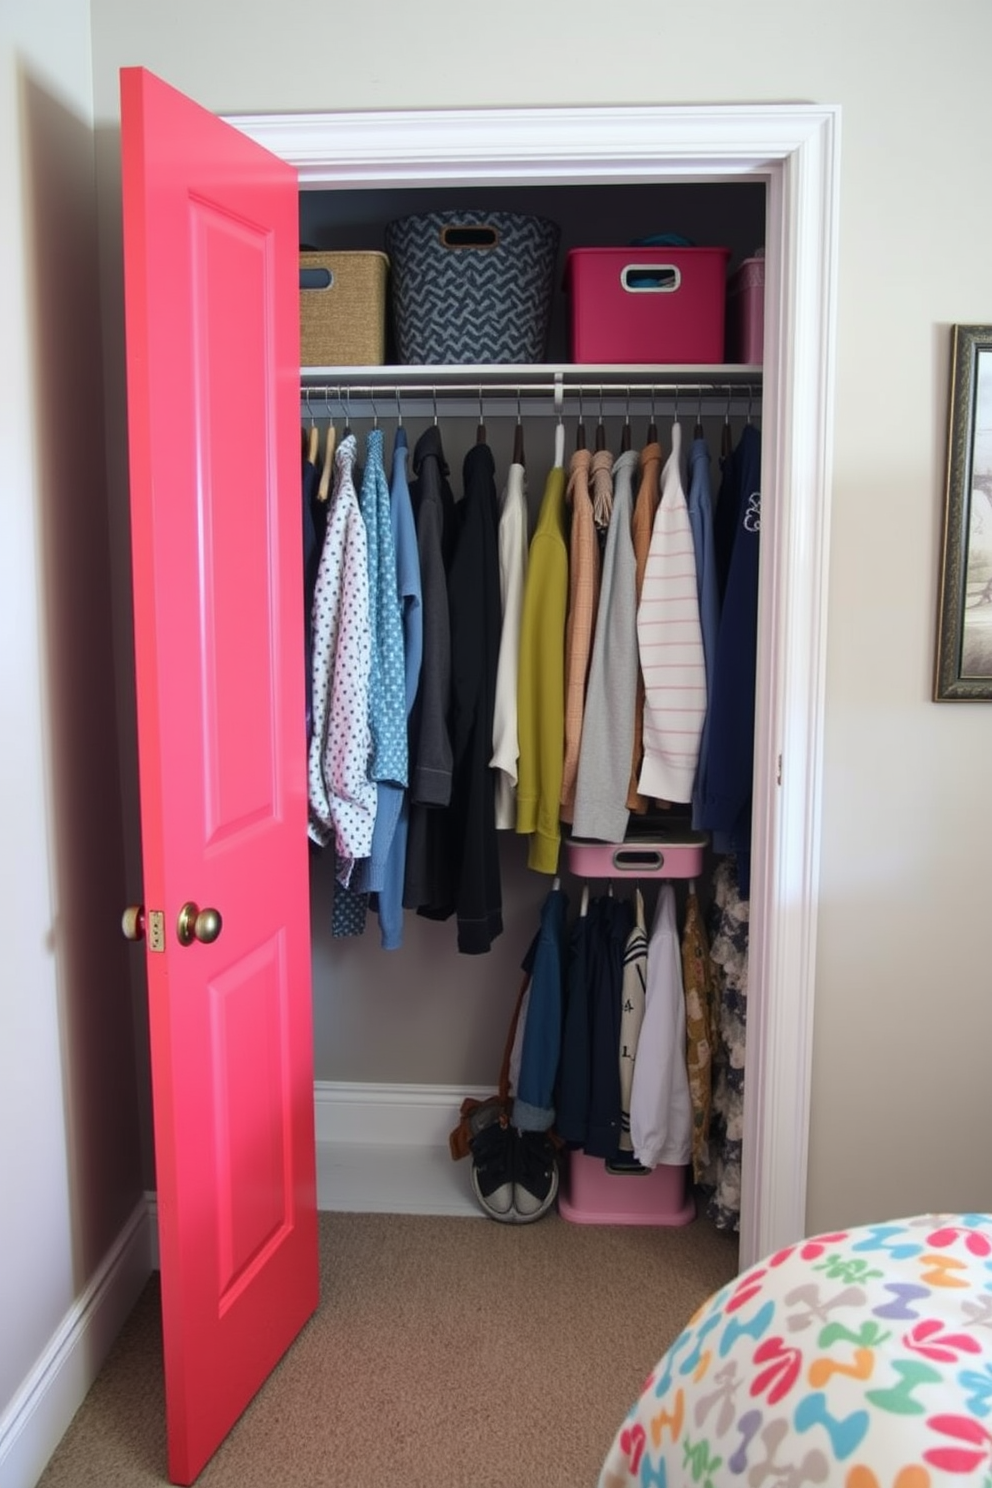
point(504, 1074)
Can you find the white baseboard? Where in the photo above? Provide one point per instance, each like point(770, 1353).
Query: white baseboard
point(384, 1149)
point(361, 1133)
point(33, 1423)
point(388, 1115)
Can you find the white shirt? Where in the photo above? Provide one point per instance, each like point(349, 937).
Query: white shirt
point(512, 575)
point(660, 1103)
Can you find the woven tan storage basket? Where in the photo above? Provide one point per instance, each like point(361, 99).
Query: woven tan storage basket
point(343, 318)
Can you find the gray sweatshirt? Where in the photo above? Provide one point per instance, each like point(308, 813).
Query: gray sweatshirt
point(608, 720)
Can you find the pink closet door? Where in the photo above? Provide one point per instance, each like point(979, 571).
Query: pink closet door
point(210, 260)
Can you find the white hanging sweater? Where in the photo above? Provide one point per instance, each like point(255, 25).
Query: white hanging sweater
point(660, 1103)
point(512, 539)
point(670, 644)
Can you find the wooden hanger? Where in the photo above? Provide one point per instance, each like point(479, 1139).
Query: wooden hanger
point(313, 444)
point(324, 489)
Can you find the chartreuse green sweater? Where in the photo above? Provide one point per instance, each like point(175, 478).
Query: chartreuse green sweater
point(541, 681)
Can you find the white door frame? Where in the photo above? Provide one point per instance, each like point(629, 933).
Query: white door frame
point(794, 149)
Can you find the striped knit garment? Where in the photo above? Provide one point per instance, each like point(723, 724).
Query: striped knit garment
point(642, 526)
point(670, 644)
point(635, 975)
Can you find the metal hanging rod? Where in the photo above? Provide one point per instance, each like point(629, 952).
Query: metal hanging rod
point(502, 390)
point(507, 380)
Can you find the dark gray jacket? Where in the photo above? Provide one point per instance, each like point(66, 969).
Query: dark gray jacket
point(428, 879)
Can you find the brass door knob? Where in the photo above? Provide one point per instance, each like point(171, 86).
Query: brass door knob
point(133, 922)
point(193, 923)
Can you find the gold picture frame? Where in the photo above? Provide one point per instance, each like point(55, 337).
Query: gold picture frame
point(963, 671)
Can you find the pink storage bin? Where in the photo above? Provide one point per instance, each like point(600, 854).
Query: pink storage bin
point(642, 857)
point(647, 304)
point(746, 313)
point(590, 1192)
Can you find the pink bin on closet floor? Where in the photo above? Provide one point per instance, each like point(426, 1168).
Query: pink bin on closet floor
point(591, 1192)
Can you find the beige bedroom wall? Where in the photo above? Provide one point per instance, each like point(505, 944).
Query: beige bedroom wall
point(903, 1004)
point(70, 1168)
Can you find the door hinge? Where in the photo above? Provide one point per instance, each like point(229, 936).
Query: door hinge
point(156, 930)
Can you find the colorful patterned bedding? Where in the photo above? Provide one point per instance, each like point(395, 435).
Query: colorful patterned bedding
point(861, 1359)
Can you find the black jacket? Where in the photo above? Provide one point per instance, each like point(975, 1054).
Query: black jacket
point(428, 877)
point(476, 619)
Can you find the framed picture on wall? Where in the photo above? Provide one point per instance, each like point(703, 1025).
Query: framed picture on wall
point(964, 611)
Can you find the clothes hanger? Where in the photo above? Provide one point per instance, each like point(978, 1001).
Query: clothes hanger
point(314, 442)
point(697, 432)
point(726, 435)
point(652, 426)
point(600, 427)
point(480, 433)
point(625, 435)
point(559, 434)
point(518, 437)
point(584, 903)
point(580, 431)
point(399, 438)
point(324, 488)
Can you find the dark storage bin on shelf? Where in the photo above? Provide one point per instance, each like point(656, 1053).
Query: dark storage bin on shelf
point(472, 286)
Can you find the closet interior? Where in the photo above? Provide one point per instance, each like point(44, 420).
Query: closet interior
point(425, 1015)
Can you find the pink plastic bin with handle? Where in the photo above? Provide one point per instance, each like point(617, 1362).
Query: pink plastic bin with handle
point(643, 857)
point(591, 1192)
point(647, 305)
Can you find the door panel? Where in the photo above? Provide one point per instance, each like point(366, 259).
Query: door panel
point(210, 244)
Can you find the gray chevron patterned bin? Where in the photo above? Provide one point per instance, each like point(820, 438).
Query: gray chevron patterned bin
point(471, 286)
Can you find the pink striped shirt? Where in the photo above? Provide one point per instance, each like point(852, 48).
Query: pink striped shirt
point(670, 644)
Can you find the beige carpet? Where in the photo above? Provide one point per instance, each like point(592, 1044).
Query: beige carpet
point(446, 1353)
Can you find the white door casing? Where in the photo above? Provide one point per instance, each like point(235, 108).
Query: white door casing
point(794, 149)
